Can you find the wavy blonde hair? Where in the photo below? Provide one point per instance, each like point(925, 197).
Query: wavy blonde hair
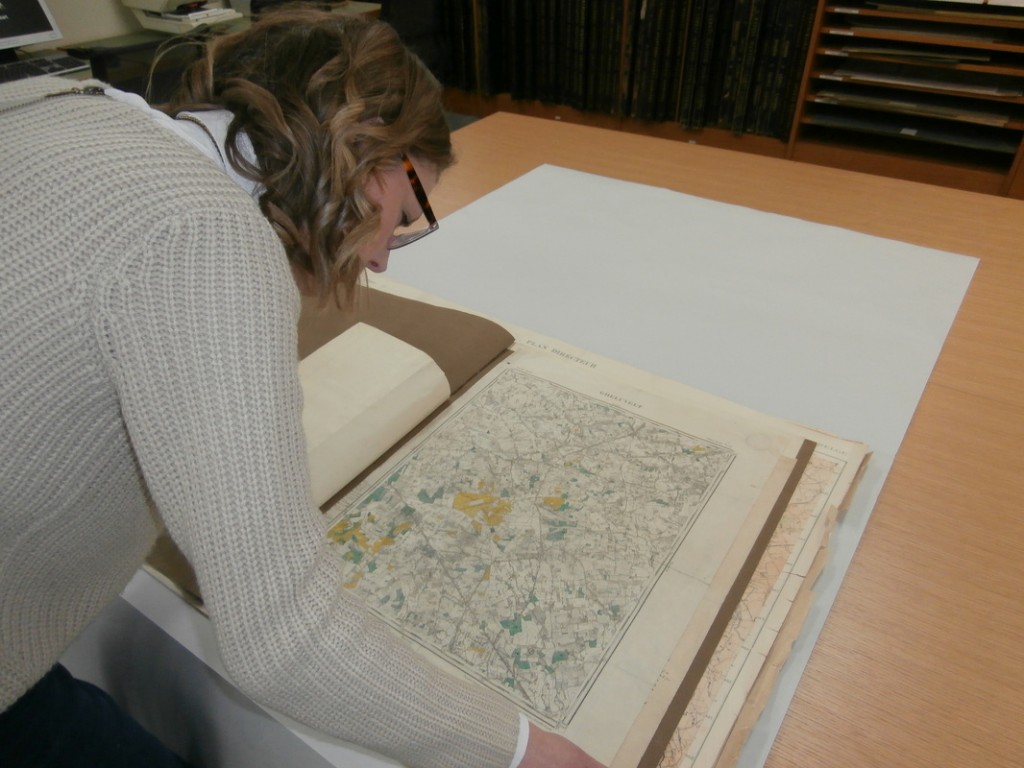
point(327, 101)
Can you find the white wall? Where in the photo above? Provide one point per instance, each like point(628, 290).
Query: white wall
point(83, 20)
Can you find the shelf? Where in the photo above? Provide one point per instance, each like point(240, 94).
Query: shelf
point(926, 90)
point(918, 82)
point(925, 37)
point(953, 110)
point(973, 14)
point(955, 62)
point(916, 129)
point(937, 84)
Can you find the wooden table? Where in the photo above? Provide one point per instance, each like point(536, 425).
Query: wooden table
point(921, 661)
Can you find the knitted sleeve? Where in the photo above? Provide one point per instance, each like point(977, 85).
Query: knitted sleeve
point(199, 327)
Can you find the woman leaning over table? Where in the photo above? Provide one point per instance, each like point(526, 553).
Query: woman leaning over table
point(148, 361)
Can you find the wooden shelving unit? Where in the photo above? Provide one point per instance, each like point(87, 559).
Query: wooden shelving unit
point(926, 90)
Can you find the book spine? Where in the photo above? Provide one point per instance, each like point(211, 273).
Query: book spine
point(645, 29)
point(748, 65)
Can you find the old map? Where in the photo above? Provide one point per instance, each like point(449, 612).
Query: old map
point(521, 537)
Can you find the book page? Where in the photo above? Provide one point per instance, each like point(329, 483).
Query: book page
point(363, 391)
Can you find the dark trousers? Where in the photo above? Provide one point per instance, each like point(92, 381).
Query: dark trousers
point(63, 722)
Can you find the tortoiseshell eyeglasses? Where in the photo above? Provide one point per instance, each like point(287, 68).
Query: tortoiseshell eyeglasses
point(404, 238)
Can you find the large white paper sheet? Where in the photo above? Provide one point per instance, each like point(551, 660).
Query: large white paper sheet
point(813, 323)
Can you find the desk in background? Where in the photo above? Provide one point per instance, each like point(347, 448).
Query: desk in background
point(921, 660)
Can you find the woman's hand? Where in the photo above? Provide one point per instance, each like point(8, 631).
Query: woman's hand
point(549, 750)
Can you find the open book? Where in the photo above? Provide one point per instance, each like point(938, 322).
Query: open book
point(599, 545)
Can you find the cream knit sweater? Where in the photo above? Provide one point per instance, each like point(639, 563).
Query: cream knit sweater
point(148, 353)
